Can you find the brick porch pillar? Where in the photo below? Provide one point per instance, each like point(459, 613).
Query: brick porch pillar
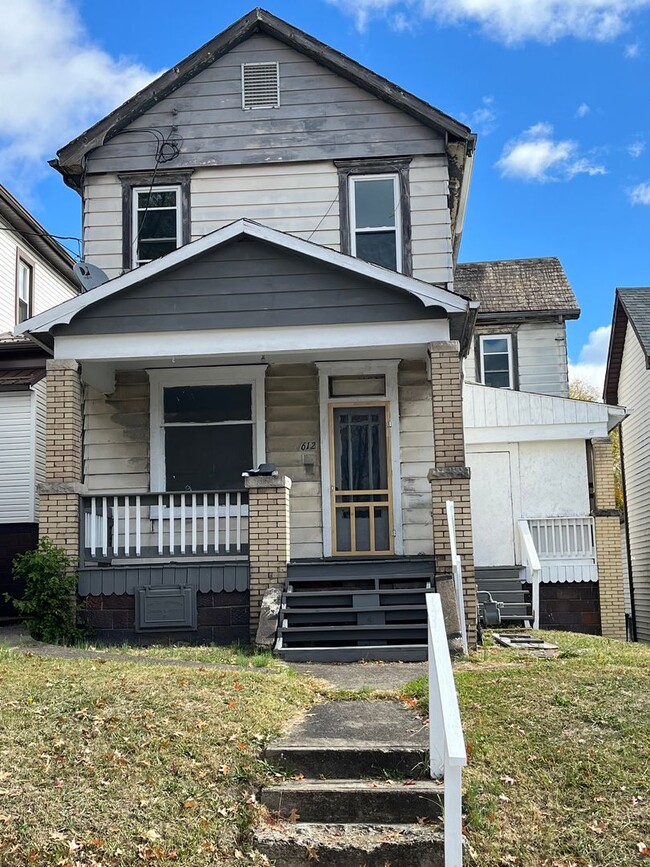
point(268, 537)
point(450, 476)
point(59, 495)
point(608, 541)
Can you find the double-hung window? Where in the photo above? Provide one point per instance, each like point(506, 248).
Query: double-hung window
point(24, 289)
point(375, 219)
point(496, 360)
point(156, 227)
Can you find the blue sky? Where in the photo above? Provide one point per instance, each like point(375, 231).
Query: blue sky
point(557, 91)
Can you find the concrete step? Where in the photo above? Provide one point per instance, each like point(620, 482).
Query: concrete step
point(366, 801)
point(347, 653)
point(349, 845)
point(353, 759)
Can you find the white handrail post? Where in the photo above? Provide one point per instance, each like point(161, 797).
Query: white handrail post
point(453, 816)
point(534, 566)
point(457, 572)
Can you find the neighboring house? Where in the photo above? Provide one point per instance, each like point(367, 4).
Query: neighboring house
point(627, 381)
point(35, 274)
point(281, 227)
point(532, 451)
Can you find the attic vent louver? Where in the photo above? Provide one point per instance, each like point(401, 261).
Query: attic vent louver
point(260, 85)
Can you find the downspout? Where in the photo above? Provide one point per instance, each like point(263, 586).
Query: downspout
point(628, 550)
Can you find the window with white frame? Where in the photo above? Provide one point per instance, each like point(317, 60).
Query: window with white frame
point(497, 369)
point(156, 223)
point(375, 219)
point(24, 289)
point(207, 428)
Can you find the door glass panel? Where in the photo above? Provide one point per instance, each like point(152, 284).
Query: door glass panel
point(343, 530)
point(362, 528)
point(382, 529)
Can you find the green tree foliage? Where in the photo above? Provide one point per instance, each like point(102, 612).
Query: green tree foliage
point(50, 598)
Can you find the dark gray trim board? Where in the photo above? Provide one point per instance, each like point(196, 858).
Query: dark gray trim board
point(204, 578)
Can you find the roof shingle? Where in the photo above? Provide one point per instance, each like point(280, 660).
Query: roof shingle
point(636, 302)
point(518, 286)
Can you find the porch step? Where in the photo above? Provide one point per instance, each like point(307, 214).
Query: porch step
point(504, 585)
point(361, 609)
point(388, 814)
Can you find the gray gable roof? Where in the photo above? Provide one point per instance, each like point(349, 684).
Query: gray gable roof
point(631, 305)
point(518, 286)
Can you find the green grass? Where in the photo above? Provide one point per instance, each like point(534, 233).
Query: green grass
point(107, 763)
point(211, 654)
point(559, 754)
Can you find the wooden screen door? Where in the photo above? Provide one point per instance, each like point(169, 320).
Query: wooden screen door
point(362, 517)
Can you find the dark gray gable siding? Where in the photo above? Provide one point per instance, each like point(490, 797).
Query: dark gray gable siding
point(321, 116)
point(248, 284)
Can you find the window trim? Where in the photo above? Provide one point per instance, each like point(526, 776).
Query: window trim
point(398, 166)
point(24, 259)
point(496, 335)
point(161, 378)
point(142, 181)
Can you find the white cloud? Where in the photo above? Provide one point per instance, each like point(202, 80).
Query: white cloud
point(636, 148)
point(56, 89)
point(590, 367)
point(583, 110)
point(640, 195)
point(509, 21)
point(536, 156)
point(632, 50)
point(483, 119)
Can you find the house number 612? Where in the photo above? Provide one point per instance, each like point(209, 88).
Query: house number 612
point(309, 446)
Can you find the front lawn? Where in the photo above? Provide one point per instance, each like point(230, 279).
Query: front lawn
point(559, 754)
point(105, 763)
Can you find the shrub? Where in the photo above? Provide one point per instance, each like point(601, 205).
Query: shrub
point(50, 598)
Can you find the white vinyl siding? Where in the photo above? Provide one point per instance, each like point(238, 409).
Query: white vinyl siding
point(49, 287)
point(540, 356)
point(634, 394)
point(298, 198)
point(16, 458)
point(416, 456)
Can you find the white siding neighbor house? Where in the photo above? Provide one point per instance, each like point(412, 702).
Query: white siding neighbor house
point(35, 274)
point(628, 382)
point(279, 228)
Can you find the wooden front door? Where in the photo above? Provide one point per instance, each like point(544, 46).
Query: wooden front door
point(361, 479)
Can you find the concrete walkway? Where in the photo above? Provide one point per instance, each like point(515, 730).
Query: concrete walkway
point(357, 675)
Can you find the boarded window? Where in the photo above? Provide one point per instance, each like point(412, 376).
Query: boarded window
point(260, 85)
point(208, 437)
point(357, 386)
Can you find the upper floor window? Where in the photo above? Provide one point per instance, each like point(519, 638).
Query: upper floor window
point(496, 360)
point(24, 288)
point(156, 223)
point(375, 220)
point(375, 211)
point(155, 216)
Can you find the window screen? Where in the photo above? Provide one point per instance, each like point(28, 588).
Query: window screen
point(496, 361)
point(375, 219)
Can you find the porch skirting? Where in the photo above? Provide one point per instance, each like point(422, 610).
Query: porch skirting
point(204, 578)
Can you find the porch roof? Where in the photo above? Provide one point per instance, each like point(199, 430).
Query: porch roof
point(503, 415)
point(430, 296)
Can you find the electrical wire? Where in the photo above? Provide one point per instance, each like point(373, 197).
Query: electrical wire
point(325, 215)
point(57, 238)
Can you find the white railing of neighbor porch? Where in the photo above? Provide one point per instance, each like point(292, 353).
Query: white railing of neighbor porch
point(165, 525)
point(447, 754)
point(457, 570)
point(532, 565)
point(563, 538)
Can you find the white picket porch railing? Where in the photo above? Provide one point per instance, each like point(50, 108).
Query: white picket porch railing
point(563, 538)
point(447, 754)
point(146, 526)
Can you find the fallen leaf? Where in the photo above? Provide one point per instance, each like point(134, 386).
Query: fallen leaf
point(312, 854)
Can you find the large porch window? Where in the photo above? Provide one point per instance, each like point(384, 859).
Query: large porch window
point(207, 427)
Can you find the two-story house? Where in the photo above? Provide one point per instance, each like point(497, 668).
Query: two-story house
point(280, 227)
point(35, 274)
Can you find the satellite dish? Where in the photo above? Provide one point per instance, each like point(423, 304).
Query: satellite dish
point(88, 276)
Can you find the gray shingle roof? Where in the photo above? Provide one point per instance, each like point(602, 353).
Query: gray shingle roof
point(636, 302)
point(518, 286)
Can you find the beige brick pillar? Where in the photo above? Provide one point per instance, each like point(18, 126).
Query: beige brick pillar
point(59, 495)
point(268, 537)
point(608, 541)
point(450, 476)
